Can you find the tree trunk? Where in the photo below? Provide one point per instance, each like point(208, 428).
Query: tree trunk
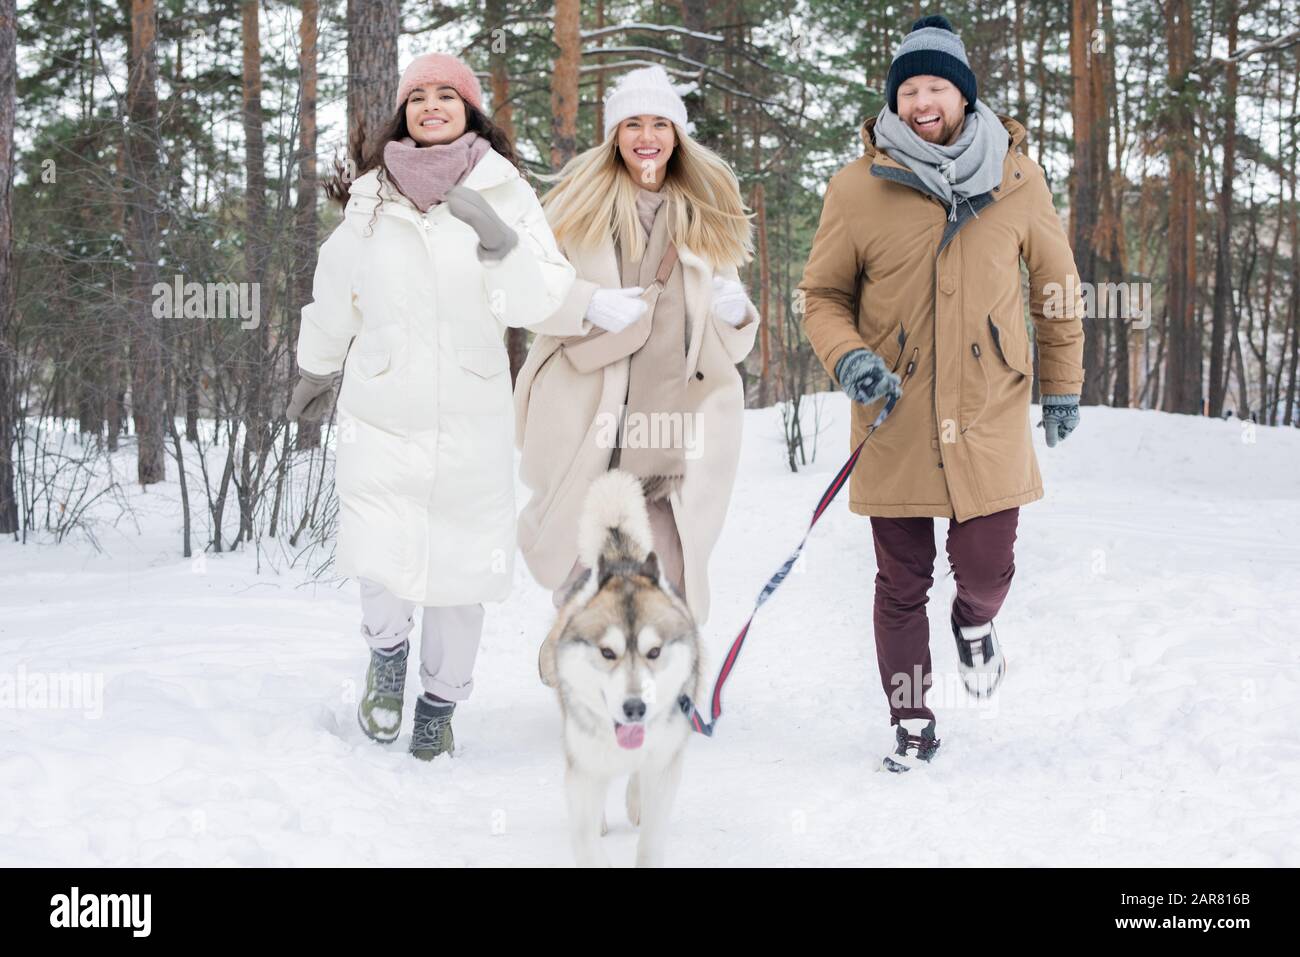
point(503, 115)
point(146, 331)
point(503, 111)
point(1182, 380)
point(116, 321)
point(694, 15)
point(1022, 105)
point(1223, 250)
point(765, 281)
point(256, 392)
point(1086, 179)
point(1111, 240)
point(255, 238)
point(598, 125)
point(764, 285)
point(305, 213)
point(8, 320)
point(1040, 77)
point(193, 369)
point(564, 83)
point(373, 26)
point(1290, 416)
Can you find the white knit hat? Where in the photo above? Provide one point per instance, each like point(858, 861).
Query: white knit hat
point(644, 92)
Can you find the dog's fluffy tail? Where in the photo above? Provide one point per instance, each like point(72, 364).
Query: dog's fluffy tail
point(614, 524)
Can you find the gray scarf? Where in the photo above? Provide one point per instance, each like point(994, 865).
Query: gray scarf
point(970, 166)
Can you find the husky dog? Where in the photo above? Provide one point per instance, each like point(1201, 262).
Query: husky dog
point(622, 655)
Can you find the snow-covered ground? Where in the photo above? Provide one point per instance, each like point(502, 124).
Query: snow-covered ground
point(1148, 718)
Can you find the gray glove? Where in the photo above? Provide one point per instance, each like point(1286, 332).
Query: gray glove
point(864, 377)
point(1060, 417)
point(495, 238)
point(311, 396)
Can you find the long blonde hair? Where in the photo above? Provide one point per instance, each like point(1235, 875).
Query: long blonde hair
point(594, 197)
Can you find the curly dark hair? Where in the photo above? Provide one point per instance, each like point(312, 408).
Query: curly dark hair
point(367, 154)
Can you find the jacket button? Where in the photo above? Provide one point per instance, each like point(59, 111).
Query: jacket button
point(947, 285)
point(699, 375)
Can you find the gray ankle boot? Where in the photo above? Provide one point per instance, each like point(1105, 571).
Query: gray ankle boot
point(431, 735)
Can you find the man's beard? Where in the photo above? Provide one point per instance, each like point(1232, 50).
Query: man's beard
point(947, 132)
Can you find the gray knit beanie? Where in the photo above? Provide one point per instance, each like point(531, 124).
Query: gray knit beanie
point(931, 49)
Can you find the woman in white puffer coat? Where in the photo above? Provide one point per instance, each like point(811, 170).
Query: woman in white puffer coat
point(442, 246)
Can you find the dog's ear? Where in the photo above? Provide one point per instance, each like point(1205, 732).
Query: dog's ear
point(577, 586)
point(650, 567)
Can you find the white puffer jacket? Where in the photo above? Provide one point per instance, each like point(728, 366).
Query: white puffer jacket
point(425, 459)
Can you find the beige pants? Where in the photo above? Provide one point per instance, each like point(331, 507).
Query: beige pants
point(449, 637)
point(667, 547)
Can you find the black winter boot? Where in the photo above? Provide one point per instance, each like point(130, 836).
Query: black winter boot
point(431, 735)
point(916, 745)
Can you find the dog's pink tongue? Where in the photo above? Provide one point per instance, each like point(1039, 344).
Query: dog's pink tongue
point(629, 736)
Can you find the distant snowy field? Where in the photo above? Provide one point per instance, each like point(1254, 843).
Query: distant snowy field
point(1149, 715)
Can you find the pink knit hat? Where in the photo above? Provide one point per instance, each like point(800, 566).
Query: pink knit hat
point(443, 69)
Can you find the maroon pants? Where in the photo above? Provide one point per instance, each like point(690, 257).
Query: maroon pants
point(981, 551)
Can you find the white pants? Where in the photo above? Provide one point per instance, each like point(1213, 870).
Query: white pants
point(449, 637)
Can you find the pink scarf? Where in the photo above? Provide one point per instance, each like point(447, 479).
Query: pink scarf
point(424, 174)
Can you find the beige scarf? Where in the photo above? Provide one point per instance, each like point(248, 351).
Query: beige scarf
point(652, 441)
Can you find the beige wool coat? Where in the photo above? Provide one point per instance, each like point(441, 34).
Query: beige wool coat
point(565, 404)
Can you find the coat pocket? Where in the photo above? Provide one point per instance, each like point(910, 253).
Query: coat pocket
point(484, 385)
point(373, 362)
point(1012, 349)
point(483, 362)
point(891, 347)
point(901, 340)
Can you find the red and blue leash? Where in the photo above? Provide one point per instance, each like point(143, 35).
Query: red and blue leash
point(698, 724)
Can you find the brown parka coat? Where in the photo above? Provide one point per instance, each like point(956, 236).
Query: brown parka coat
point(889, 271)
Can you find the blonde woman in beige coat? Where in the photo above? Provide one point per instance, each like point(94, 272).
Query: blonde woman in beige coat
point(654, 225)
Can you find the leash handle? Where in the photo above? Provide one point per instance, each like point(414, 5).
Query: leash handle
point(698, 724)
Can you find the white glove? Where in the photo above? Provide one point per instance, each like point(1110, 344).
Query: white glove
point(730, 301)
point(616, 309)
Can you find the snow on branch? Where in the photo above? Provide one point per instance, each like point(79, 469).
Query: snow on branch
point(690, 74)
point(700, 67)
point(676, 71)
point(656, 27)
point(1268, 46)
